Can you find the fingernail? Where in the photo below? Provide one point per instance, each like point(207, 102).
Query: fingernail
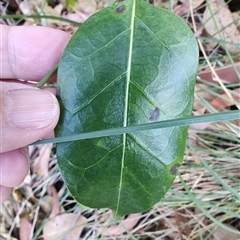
point(30, 108)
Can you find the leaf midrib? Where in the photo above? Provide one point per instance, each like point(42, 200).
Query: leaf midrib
point(126, 100)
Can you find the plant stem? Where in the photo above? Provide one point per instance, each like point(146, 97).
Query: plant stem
point(74, 23)
point(214, 117)
point(47, 77)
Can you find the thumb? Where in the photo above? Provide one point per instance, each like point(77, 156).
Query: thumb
point(28, 114)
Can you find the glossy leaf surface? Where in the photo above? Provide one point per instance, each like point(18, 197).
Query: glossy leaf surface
point(129, 64)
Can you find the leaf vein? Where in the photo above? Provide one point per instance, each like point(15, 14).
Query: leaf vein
point(102, 157)
point(149, 29)
point(135, 178)
point(167, 47)
point(126, 99)
point(74, 165)
point(105, 45)
point(146, 150)
point(150, 100)
point(97, 94)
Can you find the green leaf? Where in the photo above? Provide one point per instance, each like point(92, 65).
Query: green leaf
point(129, 64)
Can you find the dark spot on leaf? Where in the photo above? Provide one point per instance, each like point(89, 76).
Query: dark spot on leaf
point(58, 91)
point(155, 114)
point(174, 169)
point(121, 9)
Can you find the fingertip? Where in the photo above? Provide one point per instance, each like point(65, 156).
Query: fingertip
point(25, 55)
point(30, 114)
point(14, 167)
point(5, 192)
point(31, 108)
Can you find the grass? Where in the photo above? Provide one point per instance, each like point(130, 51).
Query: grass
point(205, 197)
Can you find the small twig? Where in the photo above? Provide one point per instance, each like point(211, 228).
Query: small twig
point(20, 17)
point(46, 78)
point(112, 2)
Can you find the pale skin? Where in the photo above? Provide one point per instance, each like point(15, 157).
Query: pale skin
point(27, 53)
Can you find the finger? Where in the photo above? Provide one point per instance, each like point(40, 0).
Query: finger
point(4, 193)
point(14, 166)
point(27, 115)
point(30, 52)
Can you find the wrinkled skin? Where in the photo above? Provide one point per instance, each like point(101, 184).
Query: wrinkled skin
point(27, 53)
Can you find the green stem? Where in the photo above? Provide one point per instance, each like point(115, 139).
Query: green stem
point(47, 77)
point(214, 117)
point(20, 16)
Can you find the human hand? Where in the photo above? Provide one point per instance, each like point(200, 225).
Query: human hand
point(27, 114)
